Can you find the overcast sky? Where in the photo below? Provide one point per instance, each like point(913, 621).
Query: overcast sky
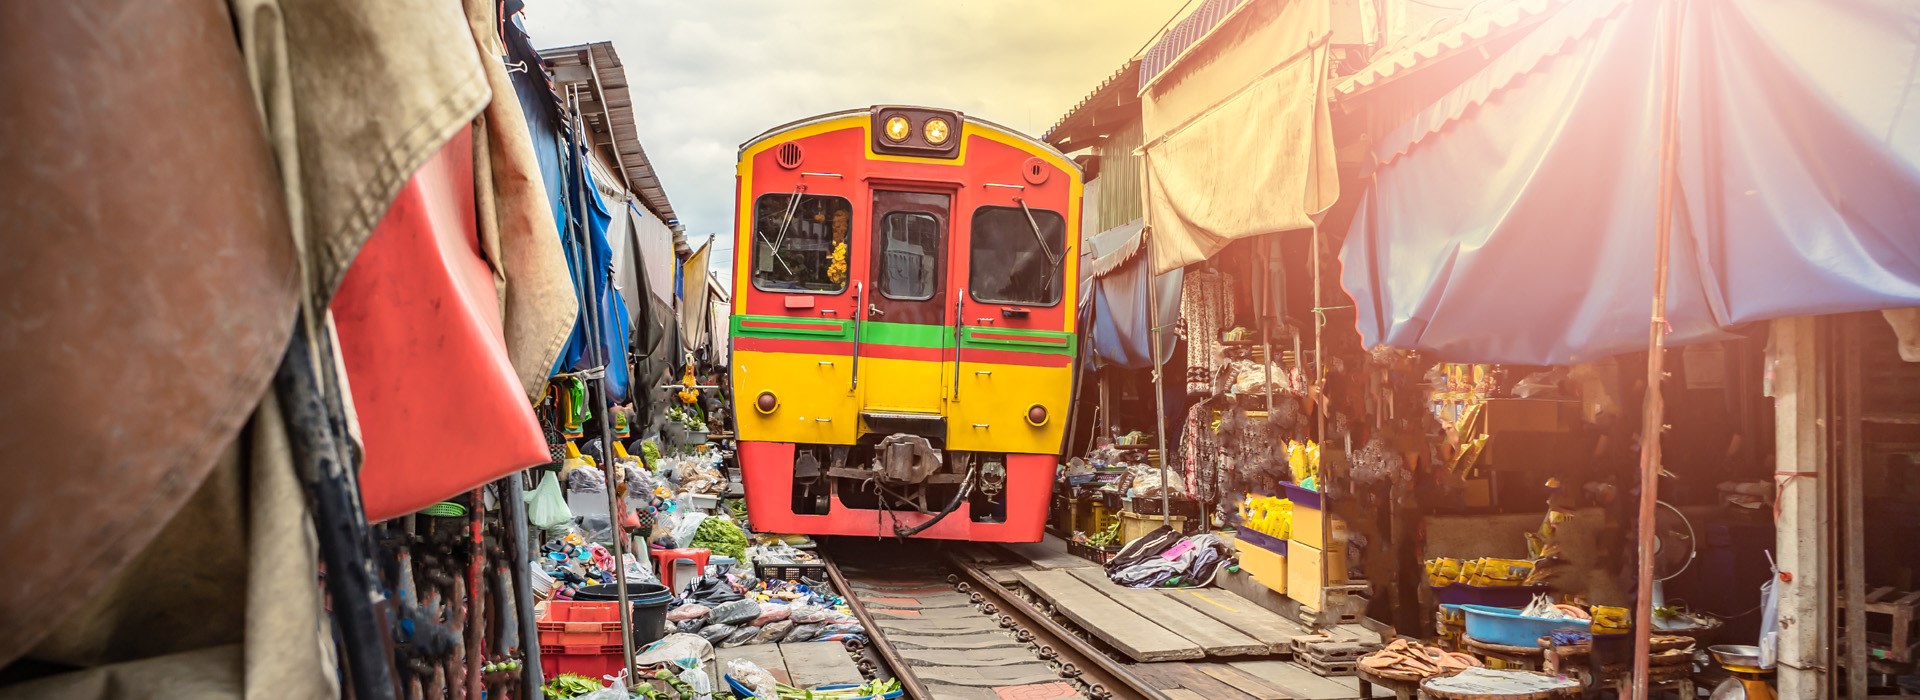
point(707, 75)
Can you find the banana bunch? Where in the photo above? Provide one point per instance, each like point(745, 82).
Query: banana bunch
point(1267, 515)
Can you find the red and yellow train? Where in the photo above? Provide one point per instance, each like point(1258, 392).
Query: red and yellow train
point(903, 325)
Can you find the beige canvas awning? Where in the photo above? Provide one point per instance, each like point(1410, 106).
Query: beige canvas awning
point(1239, 141)
point(693, 298)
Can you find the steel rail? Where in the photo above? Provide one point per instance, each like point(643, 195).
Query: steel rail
point(895, 663)
point(1079, 659)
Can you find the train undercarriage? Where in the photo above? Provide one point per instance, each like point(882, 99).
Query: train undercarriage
point(897, 485)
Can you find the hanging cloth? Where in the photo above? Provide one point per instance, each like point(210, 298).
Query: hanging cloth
point(1206, 311)
point(441, 408)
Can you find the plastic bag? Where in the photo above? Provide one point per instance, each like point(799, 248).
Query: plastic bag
point(688, 612)
point(741, 635)
point(772, 612)
point(810, 614)
point(773, 632)
point(714, 633)
point(685, 525)
point(735, 613)
point(1769, 642)
point(690, 626)
point(547, 506)
point(754, 678)
point(802, 633)
point(615, 690)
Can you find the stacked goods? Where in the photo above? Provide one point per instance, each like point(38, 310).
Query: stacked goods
point(1267, 515)
point(1413, 661)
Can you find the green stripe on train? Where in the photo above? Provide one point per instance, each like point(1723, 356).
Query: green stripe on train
point(913, 335)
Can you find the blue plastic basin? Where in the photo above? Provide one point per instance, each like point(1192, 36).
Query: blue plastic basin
point(1508, 627)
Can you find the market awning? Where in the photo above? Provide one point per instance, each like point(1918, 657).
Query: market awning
point(693, 298)
point(1513, 220)
point(1114, 299)
point(1238, 139)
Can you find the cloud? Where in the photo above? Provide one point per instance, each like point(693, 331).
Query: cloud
point(708, 75)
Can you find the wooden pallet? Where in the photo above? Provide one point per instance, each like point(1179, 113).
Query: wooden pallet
point(1327, 669)
point(1902, 643)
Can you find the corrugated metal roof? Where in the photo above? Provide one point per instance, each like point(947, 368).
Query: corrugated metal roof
point(1119, 84)
point(608, 105)
point(1189, 32)
point(1478, 23)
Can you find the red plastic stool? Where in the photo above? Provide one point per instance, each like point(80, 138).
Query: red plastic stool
point(665, 558)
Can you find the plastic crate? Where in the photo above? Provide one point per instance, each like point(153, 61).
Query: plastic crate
point(576, 623)
point(1093, 553)
point(790, 572)
point(592, 661)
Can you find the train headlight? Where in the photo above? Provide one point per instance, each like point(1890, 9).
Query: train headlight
point(937, 131)
point(766, 402)
point(1036, 415)
point(898, 129)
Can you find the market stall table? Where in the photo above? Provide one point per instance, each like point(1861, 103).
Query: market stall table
point(1527, 658)
point(1402, 689)
point(1489, 684)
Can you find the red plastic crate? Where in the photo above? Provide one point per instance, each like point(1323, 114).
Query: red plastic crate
point(596, 662)
point(570, 623)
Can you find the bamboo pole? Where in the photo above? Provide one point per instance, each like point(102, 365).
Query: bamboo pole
point(1655, 412)
point(1159, 383)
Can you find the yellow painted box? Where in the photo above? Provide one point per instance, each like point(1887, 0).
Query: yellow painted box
point(1309, 569)
point(1263, 557)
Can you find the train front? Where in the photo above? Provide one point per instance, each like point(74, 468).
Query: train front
point(902, 329)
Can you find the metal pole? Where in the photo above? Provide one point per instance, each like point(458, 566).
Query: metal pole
point(514, 514)
point(597, 356)
point(1654, 425)
point(1159, 384)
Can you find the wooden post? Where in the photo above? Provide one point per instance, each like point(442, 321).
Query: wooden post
point(1159, 382)
point(1852, 472)
point(1800, 439)
point(1655, 413)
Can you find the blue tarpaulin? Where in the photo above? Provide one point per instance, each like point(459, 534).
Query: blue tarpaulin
point(614, 324)
point(1113, 306)
point(1513, 219)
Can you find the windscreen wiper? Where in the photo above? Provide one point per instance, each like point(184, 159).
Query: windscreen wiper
point(793, 205)
point(1053, 260)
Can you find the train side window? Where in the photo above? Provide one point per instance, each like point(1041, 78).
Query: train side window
point(1015, 260)
point(910, 251)
point(795, 243)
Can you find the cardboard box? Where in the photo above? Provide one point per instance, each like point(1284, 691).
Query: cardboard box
point(1309, 570)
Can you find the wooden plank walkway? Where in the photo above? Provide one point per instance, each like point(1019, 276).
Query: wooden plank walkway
point(1215, 638)
point(1104, 617)
point(802, 664)
point(1263, 625)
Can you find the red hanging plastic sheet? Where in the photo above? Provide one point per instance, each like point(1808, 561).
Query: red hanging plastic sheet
point(440, 408)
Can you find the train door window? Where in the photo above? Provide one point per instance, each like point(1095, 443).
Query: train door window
point(800, 243)
point(910, 254)
point(1017, 259)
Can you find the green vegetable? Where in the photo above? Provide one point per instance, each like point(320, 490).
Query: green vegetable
point(651, 451)
point(568, 685)
point(721, 537)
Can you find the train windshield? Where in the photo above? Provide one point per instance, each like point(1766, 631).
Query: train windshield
point(800, 243)
point(911, 254)
point(1016, 259)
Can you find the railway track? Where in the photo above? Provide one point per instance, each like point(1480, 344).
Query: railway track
point(949, 631)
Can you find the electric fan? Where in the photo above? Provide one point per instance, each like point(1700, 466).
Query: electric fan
point(1673, 552)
